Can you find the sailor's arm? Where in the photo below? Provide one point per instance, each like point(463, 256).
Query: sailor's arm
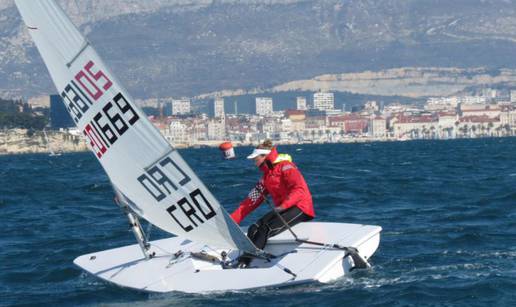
point(251, 202)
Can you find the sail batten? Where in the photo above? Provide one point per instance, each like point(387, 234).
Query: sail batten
point(141, 164)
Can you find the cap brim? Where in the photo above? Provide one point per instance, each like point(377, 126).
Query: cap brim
point(258, 152)
point(252, 156)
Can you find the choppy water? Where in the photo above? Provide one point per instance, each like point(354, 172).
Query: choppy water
point(448, 210)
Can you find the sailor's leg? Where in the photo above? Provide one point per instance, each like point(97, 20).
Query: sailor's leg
point(270, 225)
point(292, 216)
point(258, 234)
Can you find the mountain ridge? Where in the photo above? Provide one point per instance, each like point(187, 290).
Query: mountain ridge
point(412, 82)
point(159, 49)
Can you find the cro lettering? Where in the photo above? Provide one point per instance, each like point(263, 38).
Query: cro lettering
point(188, 212)
point(189, 216)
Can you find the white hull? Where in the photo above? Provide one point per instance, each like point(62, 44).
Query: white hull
point(127, 267)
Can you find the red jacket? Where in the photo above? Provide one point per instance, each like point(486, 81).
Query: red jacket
point(283, 181)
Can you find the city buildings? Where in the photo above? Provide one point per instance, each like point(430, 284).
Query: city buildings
point(324, 101)
point(178, 133)
point(371, 107)
point(301, 103)
point(218, 108)
point(40, 101)
point(471, 99)
point(377, 127)
point(477, 109)
point(460, 116)
point(414, 127)
point(181, 106)
point(513, 96)
point(263, 106)
point(216, 129)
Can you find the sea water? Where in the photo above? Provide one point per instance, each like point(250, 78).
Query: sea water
point(447, 208)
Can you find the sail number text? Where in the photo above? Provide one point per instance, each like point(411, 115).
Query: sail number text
point(188, 212)
point(116, 116)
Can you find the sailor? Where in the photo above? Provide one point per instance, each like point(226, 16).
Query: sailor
point(283, 181)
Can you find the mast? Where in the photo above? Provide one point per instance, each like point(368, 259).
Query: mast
point(136, 228)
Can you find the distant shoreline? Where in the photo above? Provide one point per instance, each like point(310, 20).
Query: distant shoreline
point(21, 141)
point(17, 142)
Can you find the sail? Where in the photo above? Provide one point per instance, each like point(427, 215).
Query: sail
point(146, 171)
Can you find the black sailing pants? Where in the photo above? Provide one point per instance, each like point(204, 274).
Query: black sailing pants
point(270, 225)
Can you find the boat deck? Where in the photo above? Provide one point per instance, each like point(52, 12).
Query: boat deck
point(126, 266)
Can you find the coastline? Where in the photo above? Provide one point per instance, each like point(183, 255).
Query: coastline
point(22, 141)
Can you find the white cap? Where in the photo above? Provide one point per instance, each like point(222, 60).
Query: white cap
point(258, 151)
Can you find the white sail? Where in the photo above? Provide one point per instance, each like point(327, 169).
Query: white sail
point(147, 172)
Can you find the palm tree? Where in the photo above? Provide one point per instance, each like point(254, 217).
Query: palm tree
point(390, 132)
point(465, 129)
point(489, 127)
point(449, 131)
point(416, 133)
point(425, 132)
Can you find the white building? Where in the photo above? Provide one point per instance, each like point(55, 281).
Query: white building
point(40, 101)
point(447, 125)
point(263, 105)
point(324, 101)
point(197, 130)
point(471, 100)
point(301, 103)
point(394, 108)
point(286, 125)
point(377, 127)
point(513, 96)
point(415, 127)
point(508, 119)
point(269, 127)
point(298, 125)
point(178, 132)
point(181, 106)
point(480, 110)
point(218, 107)
point(216, 130)
point(489, 93)
point(441, 103)
point(371, 107)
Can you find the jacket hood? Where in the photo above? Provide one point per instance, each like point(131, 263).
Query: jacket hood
point(273, 158)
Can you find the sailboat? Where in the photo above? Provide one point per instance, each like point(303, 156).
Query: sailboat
point(152, 181)
point(51, 153)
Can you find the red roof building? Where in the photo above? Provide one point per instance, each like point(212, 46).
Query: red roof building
point(350, 123)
